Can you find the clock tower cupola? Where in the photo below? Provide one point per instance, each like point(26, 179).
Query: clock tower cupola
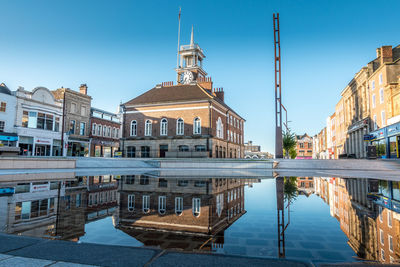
point(190, 67)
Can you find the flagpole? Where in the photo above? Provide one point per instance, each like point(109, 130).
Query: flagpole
point(179, 35)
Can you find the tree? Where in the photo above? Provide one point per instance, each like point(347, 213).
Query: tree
point(292, 153)
point(290, 189)
point(289, 143)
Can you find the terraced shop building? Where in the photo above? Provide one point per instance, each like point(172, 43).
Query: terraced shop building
point(188, 119)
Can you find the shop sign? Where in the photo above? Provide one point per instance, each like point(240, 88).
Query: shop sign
point(40, 187)
point(118, 154)
point(44, 141)
point(396, 206)
point(7, 191)
point(394, 129)
point(368, 137)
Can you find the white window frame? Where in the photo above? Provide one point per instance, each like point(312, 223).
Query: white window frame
point(389, 218)
point(133, 131)
point(196, 206)
point(380, 78)
point(381, 96)
point(131, 202)
point(383, 118)
point(164, 127)
point(148, 128)
point(99, 129)
point(180, 126)
point(146, 203)
point(162, 204)
point(390, 243)
point(197, 125)
point(178, 205)
point(375, 123)
point(381, 237)
point(94, 127)
point(373, 101)
point(373, 85)
point(382, 254)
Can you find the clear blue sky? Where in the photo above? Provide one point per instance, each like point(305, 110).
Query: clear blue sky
point(123, 48)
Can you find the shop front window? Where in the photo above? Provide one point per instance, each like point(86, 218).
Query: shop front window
point(380, 148)
point(393, 146)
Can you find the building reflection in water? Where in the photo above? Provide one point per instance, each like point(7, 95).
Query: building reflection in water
point(193, 213)
point(56, 208)
point(181, 213)
point(369, 214)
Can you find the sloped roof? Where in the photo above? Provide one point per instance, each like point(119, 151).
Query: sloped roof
point(176, 93)
point(4, 89)
point(171, 94)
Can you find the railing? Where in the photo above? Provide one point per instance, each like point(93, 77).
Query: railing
point(189, 47)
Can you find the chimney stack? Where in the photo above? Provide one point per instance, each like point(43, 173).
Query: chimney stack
point(219, 92)
point(385, 54)
point(83, 89)
point(205, 82)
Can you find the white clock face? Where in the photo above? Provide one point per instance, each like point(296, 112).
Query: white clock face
point(187, 77)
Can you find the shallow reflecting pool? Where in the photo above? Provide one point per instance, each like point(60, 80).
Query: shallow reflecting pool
point(314, 219)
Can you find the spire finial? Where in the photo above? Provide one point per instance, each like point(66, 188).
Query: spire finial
point(191, 38)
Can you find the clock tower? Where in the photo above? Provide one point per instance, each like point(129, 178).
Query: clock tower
point(191, 63)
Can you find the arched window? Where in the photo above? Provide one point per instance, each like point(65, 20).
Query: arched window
point(133, 128)
point(178, 205)
point(94, 129)
point(220, 128)
point(147, 128)
point(197, 126)
point(196, 207)
point(164, 127)
point(162, 204)
point(180, 126)
point(146, 204)
point(131, 202)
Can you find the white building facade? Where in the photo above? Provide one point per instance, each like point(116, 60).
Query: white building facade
point(8, 103)
point(38, 122)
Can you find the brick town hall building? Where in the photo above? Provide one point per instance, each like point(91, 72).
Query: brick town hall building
point(189, 119)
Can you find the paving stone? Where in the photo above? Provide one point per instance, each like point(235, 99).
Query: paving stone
point(298, 253)
point(10, 242)
point(23, 262)
point(331, 255)
point(4, 256)
point(311, 245)
point(258, 242)
point(236, 250)
point(91, 254)
point(69, 264)
point(177, 259)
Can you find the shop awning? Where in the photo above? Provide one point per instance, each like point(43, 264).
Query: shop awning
point(8, 137)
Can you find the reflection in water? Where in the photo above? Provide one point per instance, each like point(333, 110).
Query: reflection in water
point(190, 213)
point(368, 212)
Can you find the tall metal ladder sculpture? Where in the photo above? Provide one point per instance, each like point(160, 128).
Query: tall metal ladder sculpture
point(278, 95)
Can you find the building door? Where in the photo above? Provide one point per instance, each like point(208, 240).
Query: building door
point(163, 149)
point(398, 146)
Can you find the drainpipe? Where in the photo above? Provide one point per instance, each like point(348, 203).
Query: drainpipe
point(209, 129)
point(62, 126)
